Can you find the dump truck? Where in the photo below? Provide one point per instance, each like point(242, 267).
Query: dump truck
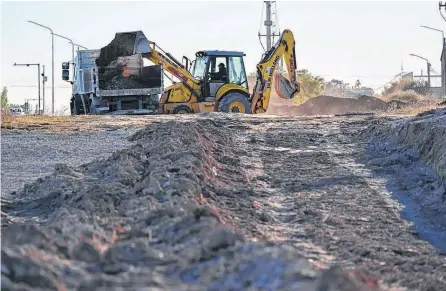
point(123, 86)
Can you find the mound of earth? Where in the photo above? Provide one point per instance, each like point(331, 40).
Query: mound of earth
point(424, 133)
point(411, 152)
point(152, 216)
point(328, 105)
point(119, 82)
point(121, 45)
point(119, 68)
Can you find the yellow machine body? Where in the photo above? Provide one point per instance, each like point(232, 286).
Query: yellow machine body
point(202, 89)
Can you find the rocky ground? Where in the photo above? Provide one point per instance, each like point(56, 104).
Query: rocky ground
point(218, 202)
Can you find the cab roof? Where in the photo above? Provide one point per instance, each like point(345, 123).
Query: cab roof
point(221, 53)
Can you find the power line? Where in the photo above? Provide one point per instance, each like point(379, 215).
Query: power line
point(389, 81)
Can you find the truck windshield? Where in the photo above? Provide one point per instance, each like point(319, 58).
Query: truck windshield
point(199, 68)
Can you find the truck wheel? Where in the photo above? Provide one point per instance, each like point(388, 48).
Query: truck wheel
point(72, 106)
point(235, 103)
point(181, 109)
point(91, 108)
point(77, 105)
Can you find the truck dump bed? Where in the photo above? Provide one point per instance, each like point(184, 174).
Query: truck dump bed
point(116, 76)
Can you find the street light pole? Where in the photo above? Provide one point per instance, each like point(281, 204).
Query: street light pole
point(72, 51)
point(428, 69)
point(38, 79)
point(43, 87)
point(52, 60)
point(443, 41)
point(442, 32)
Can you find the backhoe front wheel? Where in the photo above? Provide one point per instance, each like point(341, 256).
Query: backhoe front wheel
point(235, 103)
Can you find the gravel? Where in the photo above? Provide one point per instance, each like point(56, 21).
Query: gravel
point(28, 155)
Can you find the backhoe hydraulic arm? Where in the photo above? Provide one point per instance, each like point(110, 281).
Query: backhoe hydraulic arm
point(169, 63)
point(287, 89)
point(173, 66)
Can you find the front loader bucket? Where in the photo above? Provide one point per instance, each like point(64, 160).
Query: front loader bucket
point(124, 44)
point(284, 88)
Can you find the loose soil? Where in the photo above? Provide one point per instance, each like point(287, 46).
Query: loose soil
point(329, 105)
point(218, 202)
point(412, 154)
point(117, 70)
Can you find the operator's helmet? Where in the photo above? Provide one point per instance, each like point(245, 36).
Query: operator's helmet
point(221, 65)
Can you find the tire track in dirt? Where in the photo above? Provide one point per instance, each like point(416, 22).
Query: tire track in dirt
point(311, 192)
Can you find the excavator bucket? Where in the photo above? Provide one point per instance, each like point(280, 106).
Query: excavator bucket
point(284, 88)
point(124, 44)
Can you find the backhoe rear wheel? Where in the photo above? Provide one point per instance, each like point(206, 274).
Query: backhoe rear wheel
point(235, 103)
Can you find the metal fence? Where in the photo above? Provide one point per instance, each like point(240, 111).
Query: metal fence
point(435, 89)
point(435, 80)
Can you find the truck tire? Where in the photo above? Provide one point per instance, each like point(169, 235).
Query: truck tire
point(78, 105)
point(181, 109)
point(72, 106)
point(91, 109)
point(235, 103)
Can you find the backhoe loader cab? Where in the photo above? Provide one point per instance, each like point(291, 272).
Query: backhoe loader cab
point(217, 68)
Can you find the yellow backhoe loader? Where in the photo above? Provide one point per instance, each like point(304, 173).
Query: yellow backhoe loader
point(204, 89)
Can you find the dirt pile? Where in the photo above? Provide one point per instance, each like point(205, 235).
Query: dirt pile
point(150, 217)
point(120, 68)
point(122, 45)
point(412, 152)
point(424, 133)
point(328, 105)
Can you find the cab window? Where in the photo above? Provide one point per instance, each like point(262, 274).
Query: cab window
point(218, 69)
point(199, 67)
point(237, 74)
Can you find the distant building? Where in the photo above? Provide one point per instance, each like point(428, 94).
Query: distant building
point(407, 76)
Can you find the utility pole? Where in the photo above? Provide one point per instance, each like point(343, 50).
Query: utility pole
point(443, 85)
point(268, 23)
point(44, 78)
point(52, 59)
point(38, 79)
point(428, 75)
point(428, 69)
point(72, 54)
point(439, 8)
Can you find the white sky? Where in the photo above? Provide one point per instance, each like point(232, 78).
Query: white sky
point(345, 40)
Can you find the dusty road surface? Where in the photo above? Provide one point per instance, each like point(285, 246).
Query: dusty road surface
point(218, 202)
